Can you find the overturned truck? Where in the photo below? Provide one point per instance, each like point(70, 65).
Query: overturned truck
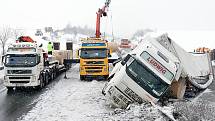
point(158, 66)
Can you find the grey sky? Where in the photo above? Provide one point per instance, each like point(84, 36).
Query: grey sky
point(127, 15)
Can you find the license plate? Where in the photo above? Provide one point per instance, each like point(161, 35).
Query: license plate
point(19, 85)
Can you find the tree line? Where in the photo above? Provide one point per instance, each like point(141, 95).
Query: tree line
point(6, 33)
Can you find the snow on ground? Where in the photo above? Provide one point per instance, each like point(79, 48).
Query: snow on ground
point(1, 80)
point(201, 110)
point(75, 100)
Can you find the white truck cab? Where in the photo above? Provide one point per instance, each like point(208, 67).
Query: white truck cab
point(23, 64)
point(156, 65)
point(144, 74)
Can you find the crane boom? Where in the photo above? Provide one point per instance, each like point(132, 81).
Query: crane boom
point(100, 13)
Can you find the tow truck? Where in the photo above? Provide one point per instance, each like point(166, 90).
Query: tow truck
point(94, 53)
point(156, 67)
point(94, 59)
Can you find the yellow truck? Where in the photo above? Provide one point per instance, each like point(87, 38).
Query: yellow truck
point(94, 55)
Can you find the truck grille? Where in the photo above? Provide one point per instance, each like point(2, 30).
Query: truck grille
point(133, 95)
point(19, 71)
point(93, 67)
point(19, 81)
point(94, 62)
point(19, 77)
point(93, 71)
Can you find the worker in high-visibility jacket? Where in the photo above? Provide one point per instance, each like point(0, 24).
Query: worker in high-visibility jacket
point(50, 48)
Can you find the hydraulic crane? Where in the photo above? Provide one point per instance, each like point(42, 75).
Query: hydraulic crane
point(94, 53)
point(101, 12)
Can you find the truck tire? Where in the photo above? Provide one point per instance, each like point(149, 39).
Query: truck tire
point(106, 77)
point(42, 82)
point(46, 79)
point(53, 75)
point(82, 78)
point(9, 89)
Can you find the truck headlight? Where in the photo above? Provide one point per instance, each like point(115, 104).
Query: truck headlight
point(33, 79)
point(123, 99)
point(105, 69)
point(5, 79)
point(81, 68)
point(116, 100)
point(111, 90)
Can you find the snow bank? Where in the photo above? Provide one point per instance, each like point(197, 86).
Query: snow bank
point(201, 110)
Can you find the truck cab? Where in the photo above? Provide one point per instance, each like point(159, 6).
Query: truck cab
point(93, 55)
point(144, 74)
point(23, 63)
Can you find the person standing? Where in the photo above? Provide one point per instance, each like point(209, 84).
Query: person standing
point(50, 48)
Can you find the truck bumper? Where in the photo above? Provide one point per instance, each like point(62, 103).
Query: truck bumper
point(97, 77)
point(115, 96)
point(18, 81)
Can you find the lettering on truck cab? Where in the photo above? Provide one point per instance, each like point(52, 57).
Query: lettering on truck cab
point(156, 65)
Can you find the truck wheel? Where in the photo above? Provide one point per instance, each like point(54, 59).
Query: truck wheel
point(46, 79)
point(9, 89)
point(82, 78)
point(54, 75)
point(106, 78)
point(42, 82)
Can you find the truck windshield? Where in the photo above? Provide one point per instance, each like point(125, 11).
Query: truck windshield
point(146, 78)
point(93, 53)
point(26, 60)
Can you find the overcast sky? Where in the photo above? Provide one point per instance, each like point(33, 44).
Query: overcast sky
point(127, 15)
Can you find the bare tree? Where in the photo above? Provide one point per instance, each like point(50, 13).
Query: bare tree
point(5, 34)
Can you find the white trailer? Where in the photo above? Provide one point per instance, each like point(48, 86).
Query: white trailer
point(26, 65)
point(156, 66)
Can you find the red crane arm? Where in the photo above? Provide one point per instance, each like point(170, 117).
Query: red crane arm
point(25, 39)
point(100, 13)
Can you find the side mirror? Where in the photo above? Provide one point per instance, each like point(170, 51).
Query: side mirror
point(124, 60)
point(78, 52)
point(3, 59)
point(109, 53)
point(38, 59)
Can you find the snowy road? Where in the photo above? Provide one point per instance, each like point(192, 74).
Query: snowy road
point(14, 105)
point(74, 100)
